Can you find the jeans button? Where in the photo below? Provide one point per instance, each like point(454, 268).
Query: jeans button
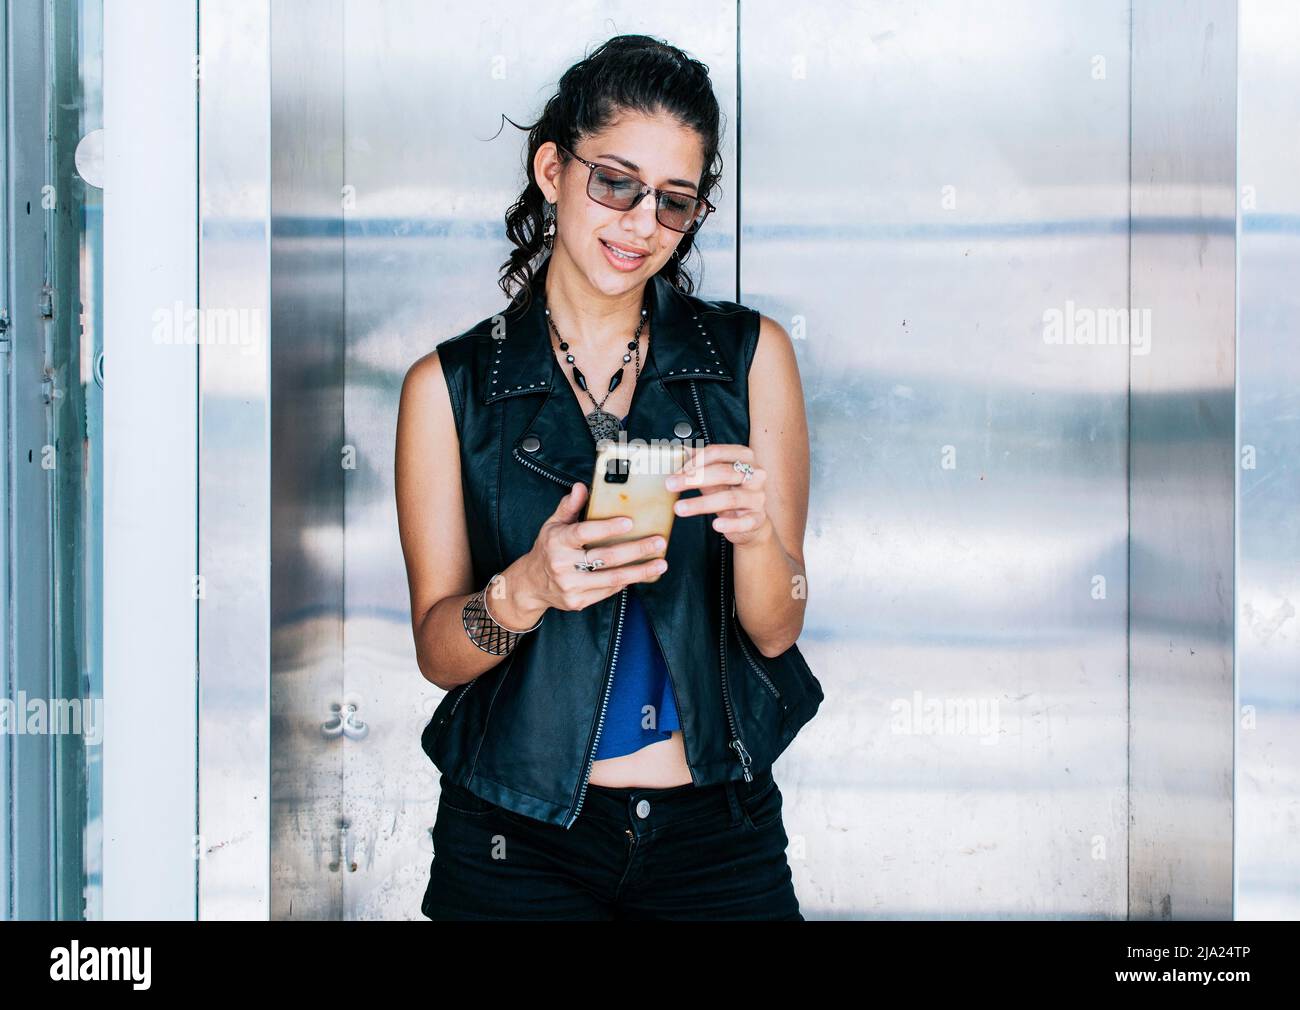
point(643, 809)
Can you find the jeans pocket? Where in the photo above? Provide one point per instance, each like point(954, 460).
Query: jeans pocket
point(762, 808)
point(462, 801)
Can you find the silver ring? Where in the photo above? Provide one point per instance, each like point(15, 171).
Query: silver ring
point(588, 566)
point(744, 468)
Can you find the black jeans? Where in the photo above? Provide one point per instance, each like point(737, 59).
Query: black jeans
point(687, 852)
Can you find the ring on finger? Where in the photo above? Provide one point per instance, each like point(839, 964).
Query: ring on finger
point(588, 566)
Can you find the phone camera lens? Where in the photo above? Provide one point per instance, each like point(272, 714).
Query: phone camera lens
point(616, 470)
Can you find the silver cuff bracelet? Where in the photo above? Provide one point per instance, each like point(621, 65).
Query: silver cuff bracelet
point(483, 629)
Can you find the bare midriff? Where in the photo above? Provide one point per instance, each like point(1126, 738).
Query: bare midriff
point(656, 766)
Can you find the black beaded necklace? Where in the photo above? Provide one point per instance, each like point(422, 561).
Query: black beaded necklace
point(602, 423)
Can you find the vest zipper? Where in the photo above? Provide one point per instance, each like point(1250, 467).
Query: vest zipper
point(464, 689)
point(736, 743)
point(613, 658)
point(456, 704)
point(543, 470)
point(604, 704)
point(767, 682)
point(762, 674)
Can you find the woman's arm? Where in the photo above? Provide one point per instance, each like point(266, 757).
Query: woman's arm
point(770, 578)
point(435, 541)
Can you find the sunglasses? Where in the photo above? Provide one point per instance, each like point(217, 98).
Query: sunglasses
point(619, 190)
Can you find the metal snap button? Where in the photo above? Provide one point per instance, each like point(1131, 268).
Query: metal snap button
point(682, 428)
point(531, 444)
point(643, 809)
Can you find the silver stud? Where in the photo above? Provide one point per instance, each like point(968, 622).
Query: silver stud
point(682, 429)
point(531, 444)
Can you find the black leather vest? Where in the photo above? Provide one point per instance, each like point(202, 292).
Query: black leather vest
point(523, 734)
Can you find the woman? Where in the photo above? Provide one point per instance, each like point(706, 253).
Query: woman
point(612, 715)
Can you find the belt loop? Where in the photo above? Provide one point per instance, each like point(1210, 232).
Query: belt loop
point(733, 802)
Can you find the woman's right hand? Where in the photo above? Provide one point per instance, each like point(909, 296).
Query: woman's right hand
point(548, 573)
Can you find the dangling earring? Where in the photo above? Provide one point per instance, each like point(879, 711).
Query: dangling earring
point(548, 232)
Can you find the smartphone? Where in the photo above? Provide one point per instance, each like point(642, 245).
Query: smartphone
point(629, 481)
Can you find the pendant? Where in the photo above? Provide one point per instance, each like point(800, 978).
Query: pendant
point(603, 425)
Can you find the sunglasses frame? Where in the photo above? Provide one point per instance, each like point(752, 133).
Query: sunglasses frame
point(645, 188)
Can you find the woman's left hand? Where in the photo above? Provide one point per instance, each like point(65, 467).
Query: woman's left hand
point(741, 507)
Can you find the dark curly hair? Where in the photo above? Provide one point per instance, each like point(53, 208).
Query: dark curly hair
point(627, 73)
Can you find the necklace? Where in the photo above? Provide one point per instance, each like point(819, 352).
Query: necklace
point(602, 423)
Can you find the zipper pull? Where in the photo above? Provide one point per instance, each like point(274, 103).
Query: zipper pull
point(745, 759)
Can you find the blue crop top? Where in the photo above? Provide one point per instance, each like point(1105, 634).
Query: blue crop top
point(640, 679)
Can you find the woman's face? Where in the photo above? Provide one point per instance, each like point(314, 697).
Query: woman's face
point(658, 151)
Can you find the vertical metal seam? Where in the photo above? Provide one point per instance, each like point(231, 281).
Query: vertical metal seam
point(738, 173)
point(1128, 520)
point(1236, 441)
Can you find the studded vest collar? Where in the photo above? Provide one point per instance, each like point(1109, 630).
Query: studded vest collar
point(524, 361)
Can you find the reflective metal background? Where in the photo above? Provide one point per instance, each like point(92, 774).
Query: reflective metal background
point(926, 189)
point(962, 171)
point(312, 843)
point(1181, 461)
point(1267, 851)
point(237, 501)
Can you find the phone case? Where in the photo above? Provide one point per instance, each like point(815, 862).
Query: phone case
point(629, 481)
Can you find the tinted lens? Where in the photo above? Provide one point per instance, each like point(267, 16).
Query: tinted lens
point(619, 190)
point(678, 211)
point(612, 188)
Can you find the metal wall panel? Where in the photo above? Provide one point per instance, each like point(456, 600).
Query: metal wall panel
point(27, 760)
point(1267, 849)
point(1181, 461)
point(151, 432)
point(235, 494)
point(925, 189)
point(311, 837)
